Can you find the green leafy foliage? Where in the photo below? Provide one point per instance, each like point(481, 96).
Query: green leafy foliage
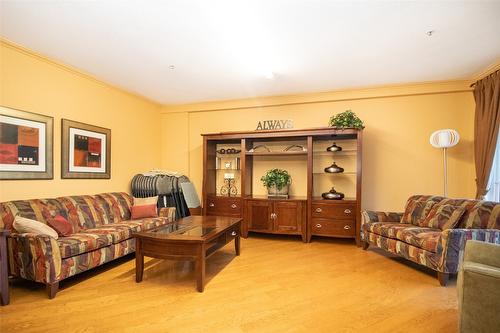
point(346, 119)
point(276, 177)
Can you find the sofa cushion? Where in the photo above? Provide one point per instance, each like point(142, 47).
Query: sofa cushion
point(37, 209)
point(120, 204)
point(23, 225)
point(84, 211)
point(81, 243)
point(443, 217)
point(468, 204)
point(484, 215)
point(386, 229)
point(61, 225)
point(424, 238)
point(416, 211)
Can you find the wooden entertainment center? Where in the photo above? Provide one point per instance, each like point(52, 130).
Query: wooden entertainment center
point(233, 163)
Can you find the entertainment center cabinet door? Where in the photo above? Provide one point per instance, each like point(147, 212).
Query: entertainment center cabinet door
point(258, 215)
point(288, 216)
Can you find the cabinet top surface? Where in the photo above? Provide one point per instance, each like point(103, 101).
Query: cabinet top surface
point(284, 133)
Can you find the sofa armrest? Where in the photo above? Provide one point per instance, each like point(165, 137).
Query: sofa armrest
point(374, 216)
point(482, 253)
point(452, 245)
point(167, 212)
point(34, 257)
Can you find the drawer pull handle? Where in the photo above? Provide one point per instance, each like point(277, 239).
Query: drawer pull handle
point(233, 206)
point(211, 204)
point(319, 210)
point(233, 233)
point(347, 227)
point(347, 211)
point(318, 225)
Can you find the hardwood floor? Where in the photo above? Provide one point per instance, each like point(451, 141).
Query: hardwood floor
point(278, 284)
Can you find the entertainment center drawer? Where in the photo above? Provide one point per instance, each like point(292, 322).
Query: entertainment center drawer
point(334, 210)
point(329, 227)
point(224, 206)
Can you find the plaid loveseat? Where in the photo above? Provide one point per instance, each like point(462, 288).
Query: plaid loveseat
point(102, 232)
point(440, 250)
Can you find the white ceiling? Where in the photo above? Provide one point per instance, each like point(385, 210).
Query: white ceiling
point(222, 49)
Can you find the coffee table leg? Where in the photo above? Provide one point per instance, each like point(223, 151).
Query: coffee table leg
point(237, 245)
point(139, 261)
point(200, 269)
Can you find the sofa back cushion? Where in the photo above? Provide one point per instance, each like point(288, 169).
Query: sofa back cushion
point(85, 211)
point(483, 215)
point(40, 210)
point(418, 207)
point(119, 203)
point(443, 217)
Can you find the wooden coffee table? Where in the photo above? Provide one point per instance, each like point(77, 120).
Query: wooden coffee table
point(193, 238)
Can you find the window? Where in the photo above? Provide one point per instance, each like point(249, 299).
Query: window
point(494, 182)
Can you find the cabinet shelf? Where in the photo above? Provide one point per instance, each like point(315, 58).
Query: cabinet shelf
point(337, 153)
point(276, 153)
point(350, 173)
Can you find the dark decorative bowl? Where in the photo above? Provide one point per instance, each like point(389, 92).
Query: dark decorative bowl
point(334, 168)
point(333, 195)
point(334, 148)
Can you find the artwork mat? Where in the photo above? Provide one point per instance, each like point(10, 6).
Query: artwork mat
point(76, 131)
point(45, 124)
point(66, 125)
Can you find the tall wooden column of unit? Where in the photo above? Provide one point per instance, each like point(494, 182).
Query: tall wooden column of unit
point(306, 214)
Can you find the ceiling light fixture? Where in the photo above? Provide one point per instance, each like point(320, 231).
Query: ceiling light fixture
point(171, 67)
point(430, 33)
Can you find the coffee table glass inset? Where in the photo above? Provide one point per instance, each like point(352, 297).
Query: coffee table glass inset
point(193, 238)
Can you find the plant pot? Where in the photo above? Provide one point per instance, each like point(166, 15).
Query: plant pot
point(273, 192)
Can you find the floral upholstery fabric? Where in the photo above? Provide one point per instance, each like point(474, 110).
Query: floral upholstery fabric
point(84, 211)
point(82, 242)
point(386, 229)
point(416, 211)
point(424, 238)
point(443, 217)
point(374, 216)
point(485, 214)
point(119, 203)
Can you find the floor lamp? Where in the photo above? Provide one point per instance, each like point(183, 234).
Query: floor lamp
point(444, 139)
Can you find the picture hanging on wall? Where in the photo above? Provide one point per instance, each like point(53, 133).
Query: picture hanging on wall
point(86, 151)
point(26, 142)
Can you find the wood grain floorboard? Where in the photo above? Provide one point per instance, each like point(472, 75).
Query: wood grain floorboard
point(278, 284)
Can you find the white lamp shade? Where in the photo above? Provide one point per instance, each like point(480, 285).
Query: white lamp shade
point(444, 138)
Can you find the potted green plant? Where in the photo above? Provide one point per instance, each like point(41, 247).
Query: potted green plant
point(277, 182)
point(346, 119)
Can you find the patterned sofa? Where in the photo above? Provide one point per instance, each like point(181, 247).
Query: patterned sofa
point(102, 232)
point(440, 250)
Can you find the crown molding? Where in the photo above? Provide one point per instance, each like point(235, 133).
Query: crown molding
point(495, 66)
point(386, 91)
point(21, 49)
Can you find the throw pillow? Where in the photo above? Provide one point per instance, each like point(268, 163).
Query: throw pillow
point(24, 225)
point(60, 224)
point(443, 217)
point(143, 211)
point(417, 211)
point(145, 201)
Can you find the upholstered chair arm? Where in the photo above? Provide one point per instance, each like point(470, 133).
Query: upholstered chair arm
point(477, 287)
point(452, 245)
point(34, 257)
point(167, 212)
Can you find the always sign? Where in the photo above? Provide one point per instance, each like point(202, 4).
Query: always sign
point(270, 125)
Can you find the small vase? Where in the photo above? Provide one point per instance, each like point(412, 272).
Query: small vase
point(334, 168)
point(333, 195)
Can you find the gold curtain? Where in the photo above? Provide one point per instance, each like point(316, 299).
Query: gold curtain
point(486, 123)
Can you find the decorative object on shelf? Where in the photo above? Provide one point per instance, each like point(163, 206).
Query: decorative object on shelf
point(334, 148)
point(445, 138)
point(228, 151)
point(227, 165)
point(334, 168)
point(229, 188)
point(259, 147)
point(86, 151)
point(26, 145)
point(277, 182)
point(270, 125)
point(333, 195)
point(295, 148)
point(346, 119)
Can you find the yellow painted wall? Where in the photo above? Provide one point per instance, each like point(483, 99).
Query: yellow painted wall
point(398, 160)
point(32, 83)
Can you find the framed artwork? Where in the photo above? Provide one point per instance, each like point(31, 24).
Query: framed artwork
point(86, 151)
point(26, 145)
